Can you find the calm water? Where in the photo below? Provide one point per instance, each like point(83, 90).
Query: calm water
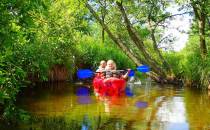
point(63, 106)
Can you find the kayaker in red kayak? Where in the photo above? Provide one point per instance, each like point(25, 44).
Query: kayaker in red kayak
point(102, 66)
point(100, 72)
point(110, 82)
point(111, 71)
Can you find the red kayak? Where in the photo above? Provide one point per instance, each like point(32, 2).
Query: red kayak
point(109, 86)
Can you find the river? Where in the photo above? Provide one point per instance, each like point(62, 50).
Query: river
point(66, 106)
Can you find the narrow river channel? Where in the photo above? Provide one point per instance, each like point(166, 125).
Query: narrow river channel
point(65, 106)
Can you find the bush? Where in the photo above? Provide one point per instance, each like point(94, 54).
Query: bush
point(189, 65)
point(91, 52)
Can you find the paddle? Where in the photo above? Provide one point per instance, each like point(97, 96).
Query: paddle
point(143, 68)
point(87, 73)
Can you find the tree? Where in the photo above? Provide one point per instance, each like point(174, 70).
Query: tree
point(201, 11)
point(133, 19)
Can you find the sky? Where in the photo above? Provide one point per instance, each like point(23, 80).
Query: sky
point(181, 22)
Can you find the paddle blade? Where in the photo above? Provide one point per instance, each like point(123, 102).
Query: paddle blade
point(143, 68)
point(132, 73)
point(84, 73)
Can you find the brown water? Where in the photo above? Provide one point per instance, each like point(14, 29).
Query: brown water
point(64, 106)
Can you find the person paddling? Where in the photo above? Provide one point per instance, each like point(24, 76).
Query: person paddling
point(111, 70)
point(102, 66)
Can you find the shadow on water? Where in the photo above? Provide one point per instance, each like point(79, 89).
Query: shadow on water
point(64, 106)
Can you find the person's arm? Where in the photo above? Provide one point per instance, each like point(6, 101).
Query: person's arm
point(98, 70)
point(125, 76)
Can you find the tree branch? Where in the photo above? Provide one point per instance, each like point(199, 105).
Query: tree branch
point(158, 22)
point(116, 40)
point(139, 43)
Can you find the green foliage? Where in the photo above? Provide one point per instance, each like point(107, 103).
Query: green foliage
point(189, 65)
point(196, 68)
point(175, 61)
point(14, 114)
point(12, 78)
point(34, 36)
point(92, 52)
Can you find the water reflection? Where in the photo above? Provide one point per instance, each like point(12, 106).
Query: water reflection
point(197, 108)
point(209, 93)
point(129, 91)
point(140, 104)
point(85, 123)
point(83, 95)
point(82, 91)
point(75, 107)
point(172, 114)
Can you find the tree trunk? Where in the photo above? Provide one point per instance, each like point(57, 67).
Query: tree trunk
point(102, 31)
point(102, 35)
point(156, 74)
point(155, 47)
point(120, 43)
point(201, 17)
point(103, 15)
point(202, 36)
point(115, 39)
point(139, 43)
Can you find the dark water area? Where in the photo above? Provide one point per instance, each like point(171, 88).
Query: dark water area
point(65, 106)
